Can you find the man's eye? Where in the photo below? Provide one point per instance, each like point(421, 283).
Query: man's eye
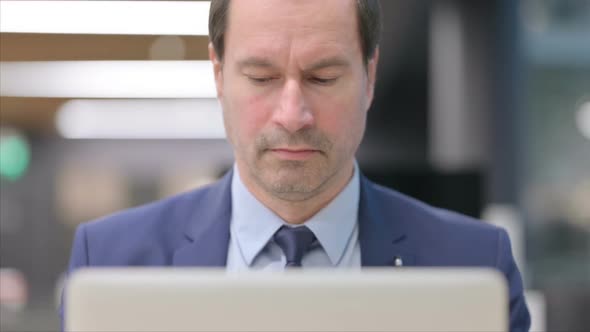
point(322, 81)
point(260, 79)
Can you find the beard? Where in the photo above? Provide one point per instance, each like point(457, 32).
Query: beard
point(292, 180)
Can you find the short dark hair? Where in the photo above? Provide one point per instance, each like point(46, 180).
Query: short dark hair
point(368, 13)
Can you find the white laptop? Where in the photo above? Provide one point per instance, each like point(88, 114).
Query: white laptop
point(409, 299)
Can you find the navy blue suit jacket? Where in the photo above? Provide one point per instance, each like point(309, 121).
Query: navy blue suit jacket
point(192, 229)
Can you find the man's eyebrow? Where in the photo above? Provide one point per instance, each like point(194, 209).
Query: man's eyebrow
point(255, 62)
point(328, 62)
point(261, 62)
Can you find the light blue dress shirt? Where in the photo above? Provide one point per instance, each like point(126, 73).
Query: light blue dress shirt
point(253, 225)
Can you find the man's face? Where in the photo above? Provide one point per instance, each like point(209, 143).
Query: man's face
point(294, 92)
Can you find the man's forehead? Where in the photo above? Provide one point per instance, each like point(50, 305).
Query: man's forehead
point(337, 16)
point(258, 5)
point(315, 64)
point(314, 34)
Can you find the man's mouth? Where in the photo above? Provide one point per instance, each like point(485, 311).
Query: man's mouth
point(294, 153)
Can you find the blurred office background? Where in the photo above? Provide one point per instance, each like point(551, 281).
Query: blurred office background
point(481, 107)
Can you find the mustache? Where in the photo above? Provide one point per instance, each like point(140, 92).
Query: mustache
point(308, 137)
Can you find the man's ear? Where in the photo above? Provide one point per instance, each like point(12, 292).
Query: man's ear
point(217, 70)
point(372, 76)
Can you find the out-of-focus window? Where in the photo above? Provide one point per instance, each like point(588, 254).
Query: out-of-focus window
point(557, 135)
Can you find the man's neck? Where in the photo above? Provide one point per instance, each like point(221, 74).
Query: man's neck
point(297, 212)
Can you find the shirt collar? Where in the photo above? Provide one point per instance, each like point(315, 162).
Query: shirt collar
point(253, 224)
point(334, 224)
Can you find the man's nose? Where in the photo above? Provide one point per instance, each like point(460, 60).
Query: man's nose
point(293, 112)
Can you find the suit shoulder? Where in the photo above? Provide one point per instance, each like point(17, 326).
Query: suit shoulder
point(170, 211)
point(428, 217)
point(441, 237)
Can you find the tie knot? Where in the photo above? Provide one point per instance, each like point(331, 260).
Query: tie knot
point(295, 242)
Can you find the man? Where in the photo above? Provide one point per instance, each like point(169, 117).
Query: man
point(295, 79)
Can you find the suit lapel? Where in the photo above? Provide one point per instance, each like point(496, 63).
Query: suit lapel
point(206, 238)
point(382, 228)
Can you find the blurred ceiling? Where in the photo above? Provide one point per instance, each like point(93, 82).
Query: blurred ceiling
point(37, 114)
point(53, 47)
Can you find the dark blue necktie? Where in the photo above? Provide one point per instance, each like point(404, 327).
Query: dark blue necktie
point(295, 242)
